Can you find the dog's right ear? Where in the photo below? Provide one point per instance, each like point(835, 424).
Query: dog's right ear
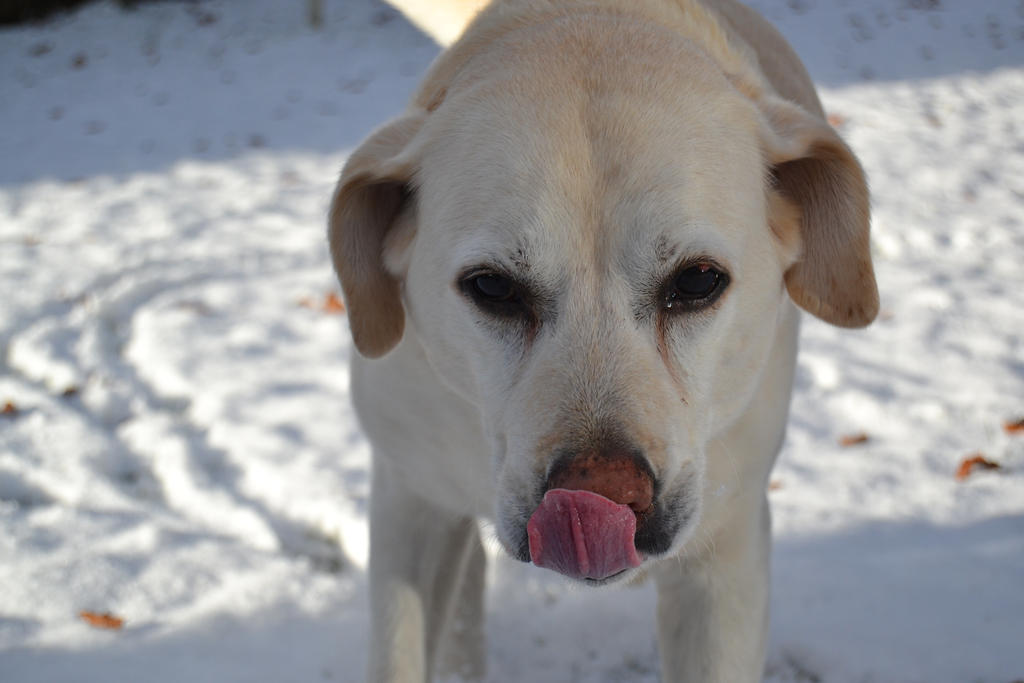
point(375, 184)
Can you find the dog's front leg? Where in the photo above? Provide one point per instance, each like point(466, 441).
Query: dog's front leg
point(713, 605)
point(420, 555)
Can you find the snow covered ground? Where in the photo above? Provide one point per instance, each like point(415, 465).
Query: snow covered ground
point(179, 450)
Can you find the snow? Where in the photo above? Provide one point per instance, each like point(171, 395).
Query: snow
point(183, 453)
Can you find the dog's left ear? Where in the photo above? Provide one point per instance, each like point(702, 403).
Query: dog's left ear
point(814, 170)
point(375, 185)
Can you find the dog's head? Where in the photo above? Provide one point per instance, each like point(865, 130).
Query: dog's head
point(594, 247)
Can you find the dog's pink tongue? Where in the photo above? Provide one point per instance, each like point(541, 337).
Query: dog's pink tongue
point(582, 534)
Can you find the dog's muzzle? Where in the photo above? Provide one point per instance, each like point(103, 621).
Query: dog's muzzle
point(599, 516)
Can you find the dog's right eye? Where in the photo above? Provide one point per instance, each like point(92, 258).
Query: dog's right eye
point(495, 293)
point(493, 287)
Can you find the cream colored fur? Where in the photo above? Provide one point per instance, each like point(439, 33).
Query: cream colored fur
point(590, 148)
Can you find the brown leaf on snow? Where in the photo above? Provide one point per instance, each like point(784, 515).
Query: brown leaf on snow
point(334, 304)
point(853, 439)
point(775, 485)
point(836, 120)
point(1014, 426)
point(331, 304)
point(106, 620)
point(9, 409)
point(974, 462)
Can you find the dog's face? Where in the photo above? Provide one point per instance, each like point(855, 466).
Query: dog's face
point(597, 264)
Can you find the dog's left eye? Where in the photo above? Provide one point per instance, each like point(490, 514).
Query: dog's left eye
point(695, 287)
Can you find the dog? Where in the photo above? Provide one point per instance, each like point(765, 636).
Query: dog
point(573, 267)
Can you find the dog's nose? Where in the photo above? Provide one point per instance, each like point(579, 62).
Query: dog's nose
point(618, 475)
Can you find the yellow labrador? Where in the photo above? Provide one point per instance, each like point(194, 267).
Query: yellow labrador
point(571, 267)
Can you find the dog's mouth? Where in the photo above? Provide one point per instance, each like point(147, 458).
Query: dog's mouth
point(582, 535)
point(585, 536)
